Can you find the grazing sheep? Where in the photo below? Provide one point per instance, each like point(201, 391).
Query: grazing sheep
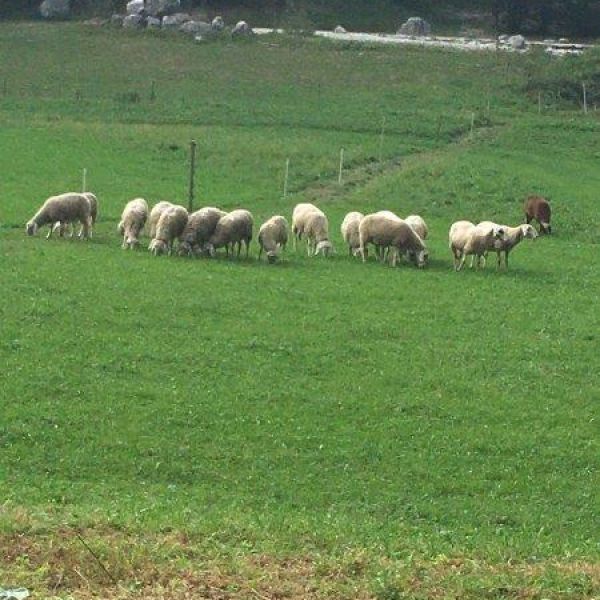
point(538, 208)
point(388, 231)
point(466, 239)
point(65, 208)
point(273, 237)
point(299, 216)
point(512, 237)
point(349, 231)
point(61, 226)
point(133, 219)
point(170, 226)
point(233, 228)
point(200, 226)
point(316, 228)
point(155, 213)
point(419, 225)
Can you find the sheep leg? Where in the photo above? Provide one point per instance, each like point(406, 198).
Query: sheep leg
point(506, 260)
point(461, 262)
point(308, 249)
point(260, 251)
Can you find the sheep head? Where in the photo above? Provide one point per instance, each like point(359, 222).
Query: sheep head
point(31, 228)
point(325, 247)
point(529, 232)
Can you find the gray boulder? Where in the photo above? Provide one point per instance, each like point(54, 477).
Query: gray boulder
point(415, 26)
point(117, 20)
point(135, 7)
point(218, 24)
point(133, 22)
point(517, 42)
point(162, 8)
point(339, 29)
point(153, 23)
point(196, 28)
point(55, 9)
point(175, 21)
point(242, 29)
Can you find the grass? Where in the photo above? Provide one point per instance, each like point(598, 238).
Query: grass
point(316, 429)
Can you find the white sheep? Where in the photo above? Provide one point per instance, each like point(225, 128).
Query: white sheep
point(233, 228)
point(133, 219)
point(64, 208)
point(155, 213)
point(299, 216)
point(391, 232)
point(466, 238)
point(273, 237)
point(418, 224)
point(200, 227)
point(349, 229)
point(61, 226)
point(170, 226)
point(311, 221)
point(512, 237)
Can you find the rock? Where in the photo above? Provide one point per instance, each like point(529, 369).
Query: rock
point(242, 29)
point(55, 9)
point(135, 7)
point(175, 21)
point(162, 8)
point(133, 22)
point(563, 40)
point(153, 23)
point(503, 38)
point(517, 42)
point(218, 24)
point(339, 29)
point(196, 28)
point(117, 20)
point(415, 26)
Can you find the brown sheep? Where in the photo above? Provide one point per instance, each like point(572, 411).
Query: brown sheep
point(538, 208)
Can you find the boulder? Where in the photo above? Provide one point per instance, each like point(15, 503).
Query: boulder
point(241, 29)
point(162, 8)
point(55, 9)
point(415, 26)
point(218, 24)
point(175, 21)
point(153, 23)
point(196, 28)
point(517, 42)
point(133, 22)
point(117, 20)
point(135, 7)
point(339, 29)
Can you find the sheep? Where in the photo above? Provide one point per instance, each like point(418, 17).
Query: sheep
point(390, 231)
point(170, 225)
point(419, 225)
point(538, 208)
point(133, 219)
point(512, 237)
point(273, 237)
point(61, 226)
point(299, 216)
point(233, 228)
point(349, 229)
point(200, 226)
point(466, 239)
point(155, 213)
point(316, 228)
point(64, 208)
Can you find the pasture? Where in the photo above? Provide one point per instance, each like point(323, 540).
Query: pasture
point(317, 428)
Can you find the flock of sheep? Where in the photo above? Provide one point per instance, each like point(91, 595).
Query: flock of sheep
point(203, 232)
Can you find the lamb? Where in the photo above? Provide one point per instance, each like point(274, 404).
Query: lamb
point(64, 208)
point(132, 222)
point(538, 208)
point(200, 226)
point(233, 228)
point(466, 239)
point(273, 237)
point(170, 226)
point(155, 214)
point(349, 231)
point(513, 236)
point(390, 231)
point(419, 225)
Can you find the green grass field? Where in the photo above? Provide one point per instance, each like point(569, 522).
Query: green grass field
point(177, 428)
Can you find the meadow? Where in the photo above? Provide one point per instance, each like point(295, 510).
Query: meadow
point(176, 428)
